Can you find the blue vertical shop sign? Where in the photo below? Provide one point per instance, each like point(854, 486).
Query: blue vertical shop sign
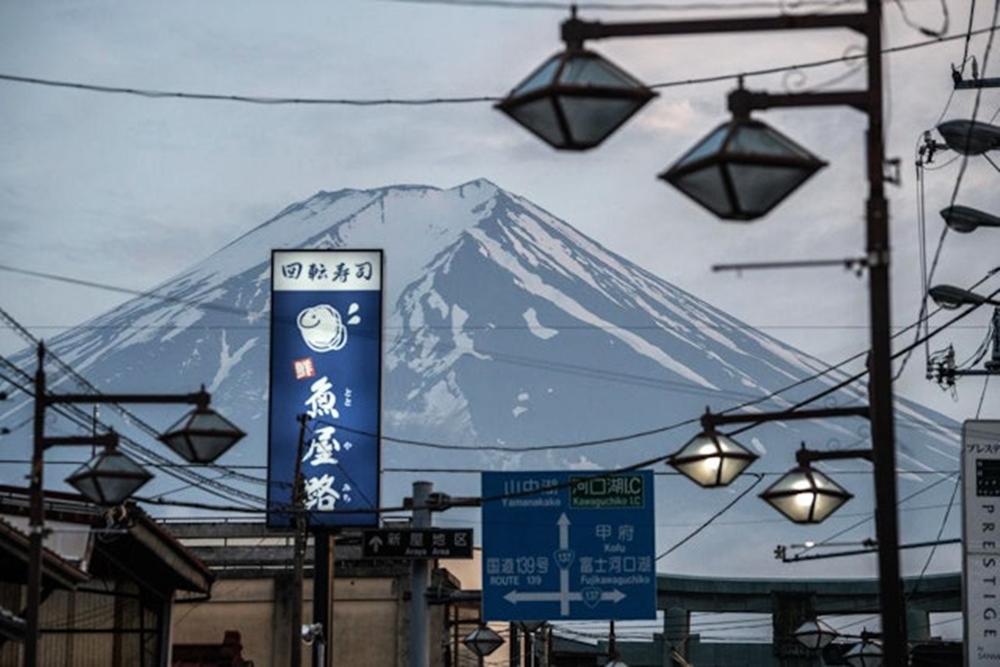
point(568, 546)
point(326, 352)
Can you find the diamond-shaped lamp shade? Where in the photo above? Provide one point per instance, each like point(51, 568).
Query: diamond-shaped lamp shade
point(482, 641)
point(712, 459)
point(815, 634)
point(109, 478)
point(970, 137)
point(575, 100)
point(805, 495)
point(201, 436)
point(742, 170)
point(867, 653)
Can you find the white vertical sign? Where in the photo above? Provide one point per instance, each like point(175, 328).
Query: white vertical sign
point(981, 541)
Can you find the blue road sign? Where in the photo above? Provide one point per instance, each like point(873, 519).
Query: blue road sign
point(568, 546)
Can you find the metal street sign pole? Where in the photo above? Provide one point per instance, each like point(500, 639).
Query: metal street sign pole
point(419, 580)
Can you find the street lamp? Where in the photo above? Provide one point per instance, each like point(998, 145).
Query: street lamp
point(816, 635)
point(111, 476)
point(805, 495)
point(964, 219)
point(202, 435)
point(970, 137)
point(951, 297)
point(711, 459)
point(866, 653)
point(868, 100)
point(483, 641)
point(575, 99)
point(743, 168)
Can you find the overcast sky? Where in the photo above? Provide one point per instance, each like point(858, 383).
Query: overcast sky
point(128, 190)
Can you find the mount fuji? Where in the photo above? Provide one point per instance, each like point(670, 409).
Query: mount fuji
point(511, 342)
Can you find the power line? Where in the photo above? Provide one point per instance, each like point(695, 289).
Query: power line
point(79, 416)
point(152, 93)
point(595, 442)
point(659, 459)
point(248, 99)
point(624, 7)
point(712, 518)
point(518, 360)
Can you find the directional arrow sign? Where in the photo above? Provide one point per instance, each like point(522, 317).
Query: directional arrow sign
point(417, 543)
point(568, 546)
point(584, 595)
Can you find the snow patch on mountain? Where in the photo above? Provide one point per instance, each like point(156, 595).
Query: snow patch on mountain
point(520, 408)
point(535, 285)
point(536, 327)
point(229, 360)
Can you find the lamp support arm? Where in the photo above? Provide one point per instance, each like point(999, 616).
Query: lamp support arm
point(107, 440)
point(741, 101)
point(199, 398)
point(709, 421)
point(806, 456)
point(575, 31)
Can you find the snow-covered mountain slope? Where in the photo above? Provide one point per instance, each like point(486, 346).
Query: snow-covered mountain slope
point(512, 341)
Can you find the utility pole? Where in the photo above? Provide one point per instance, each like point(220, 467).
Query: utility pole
point(299, 542)
point(324, 575)
point(419, 580)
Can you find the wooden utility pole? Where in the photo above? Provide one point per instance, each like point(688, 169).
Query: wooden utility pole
point(299, 541)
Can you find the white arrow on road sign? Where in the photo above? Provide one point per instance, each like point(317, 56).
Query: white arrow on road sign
point(516, 596)
point(564, 558)
point(375, 543)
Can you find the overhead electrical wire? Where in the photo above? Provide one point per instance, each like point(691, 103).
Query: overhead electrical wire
point(656, 460)
point(80, 417)
point(624, 7)
point(928, 271)
point(659, 459)
point(868, 518)
point(627, 378)
point(968, 37)
point(427, 101)
point(658, 430)
point(758, 478)
point(965, 158)
point(418, 102)
point(937, 539)
point(275, 100)
point(690, 536)
point(963, 314)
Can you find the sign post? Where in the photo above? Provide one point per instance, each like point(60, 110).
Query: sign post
point(568, 546)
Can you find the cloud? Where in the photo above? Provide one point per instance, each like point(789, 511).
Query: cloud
point(677, 116)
